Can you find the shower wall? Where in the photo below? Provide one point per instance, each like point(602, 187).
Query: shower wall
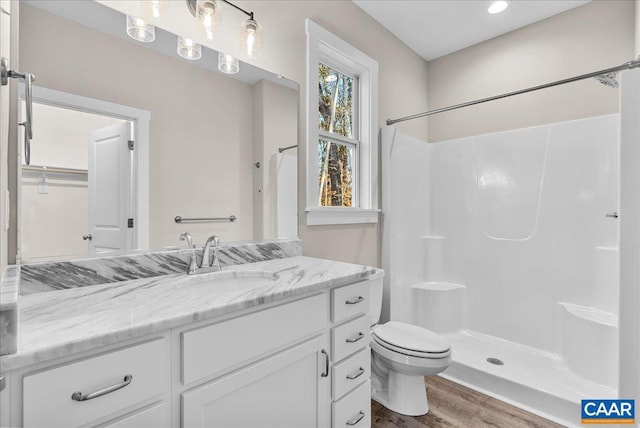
point(517, 220)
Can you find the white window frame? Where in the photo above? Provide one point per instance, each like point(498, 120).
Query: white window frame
point(325, 47)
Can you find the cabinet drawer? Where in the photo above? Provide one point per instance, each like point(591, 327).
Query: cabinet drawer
point(349, 301)
point(350, 337)
point(351, 373)
point(354, 409)
point(216, 348)
point(47, 395)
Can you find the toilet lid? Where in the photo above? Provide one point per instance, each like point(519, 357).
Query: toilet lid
point(411, 337)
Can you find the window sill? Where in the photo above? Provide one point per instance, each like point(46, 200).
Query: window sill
point(338, 215)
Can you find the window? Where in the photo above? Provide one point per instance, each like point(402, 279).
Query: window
point(342, 131)
point(337, 144)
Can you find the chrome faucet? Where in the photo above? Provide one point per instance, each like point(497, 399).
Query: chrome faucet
point(212, 245)
point(215, 264)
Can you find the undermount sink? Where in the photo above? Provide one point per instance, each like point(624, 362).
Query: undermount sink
point(221, 282)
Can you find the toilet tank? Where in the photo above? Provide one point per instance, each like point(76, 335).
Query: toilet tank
point(376, 289)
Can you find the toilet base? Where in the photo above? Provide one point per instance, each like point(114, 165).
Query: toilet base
point(404, 394)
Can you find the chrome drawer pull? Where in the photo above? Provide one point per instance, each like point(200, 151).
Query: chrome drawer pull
point(360, 336)
point(326, 364)
point(355, 301)
point(359, 373)
point(78, 396)
point(351, 422)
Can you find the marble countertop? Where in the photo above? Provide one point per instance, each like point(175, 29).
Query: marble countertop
point(63, 322)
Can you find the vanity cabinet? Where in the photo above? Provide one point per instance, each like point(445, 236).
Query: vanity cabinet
point(285, 390)
point(351, 356)
point(270, 369)
point(106, 390)
point(300, 362)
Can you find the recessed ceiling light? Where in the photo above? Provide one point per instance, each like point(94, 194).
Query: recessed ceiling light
point(498, 6)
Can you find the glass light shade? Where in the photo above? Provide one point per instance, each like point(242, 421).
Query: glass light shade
point(251, 38)
point(155, 8)
point(138, 29)
point(228, 64)
point(188, 49)
point(208, 13)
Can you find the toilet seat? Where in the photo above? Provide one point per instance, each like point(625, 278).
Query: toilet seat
point(411, 340)
point(410, 353)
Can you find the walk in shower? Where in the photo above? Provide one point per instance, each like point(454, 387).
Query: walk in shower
point(509, 245)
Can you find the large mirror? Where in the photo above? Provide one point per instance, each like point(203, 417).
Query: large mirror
point(128, 136)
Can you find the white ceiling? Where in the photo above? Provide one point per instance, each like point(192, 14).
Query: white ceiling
point(434, 28)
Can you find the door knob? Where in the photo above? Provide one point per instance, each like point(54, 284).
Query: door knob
point(87, 237)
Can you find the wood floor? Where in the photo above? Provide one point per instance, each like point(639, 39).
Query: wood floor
point(453, 405)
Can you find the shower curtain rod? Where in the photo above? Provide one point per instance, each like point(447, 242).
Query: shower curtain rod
point(626, 66)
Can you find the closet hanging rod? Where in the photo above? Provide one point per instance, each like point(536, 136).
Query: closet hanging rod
point(626, 66)
point(179, 219)
point(282, 149)
point(54, 170)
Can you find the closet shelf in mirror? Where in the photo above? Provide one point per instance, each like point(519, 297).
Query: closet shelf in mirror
point(53, 170)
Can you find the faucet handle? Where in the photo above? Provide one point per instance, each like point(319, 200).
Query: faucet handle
point(186, 236)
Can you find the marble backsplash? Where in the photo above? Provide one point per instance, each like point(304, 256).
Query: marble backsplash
point(60, 275)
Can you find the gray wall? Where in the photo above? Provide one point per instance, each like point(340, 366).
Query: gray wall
point(591, 37)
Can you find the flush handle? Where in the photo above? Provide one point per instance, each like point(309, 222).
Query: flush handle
point(87, 237)
point(360, 336)
point(355, 301)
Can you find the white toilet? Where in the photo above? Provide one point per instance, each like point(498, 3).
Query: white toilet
point(401, 355)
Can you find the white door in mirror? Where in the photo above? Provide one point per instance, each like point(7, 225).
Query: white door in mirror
point(109, 188)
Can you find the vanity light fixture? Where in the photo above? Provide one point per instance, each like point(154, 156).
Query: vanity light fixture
point(188, 49)
point(207, 13)
point(140, 30)
point(228, 64)
point(497, 6)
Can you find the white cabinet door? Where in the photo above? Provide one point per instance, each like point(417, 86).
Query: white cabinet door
point(287, 389)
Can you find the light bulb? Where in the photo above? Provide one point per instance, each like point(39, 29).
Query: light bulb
point(228, 64)
point(251, 38)
point(208, 15)
point(138, 29)
point(188, 49)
